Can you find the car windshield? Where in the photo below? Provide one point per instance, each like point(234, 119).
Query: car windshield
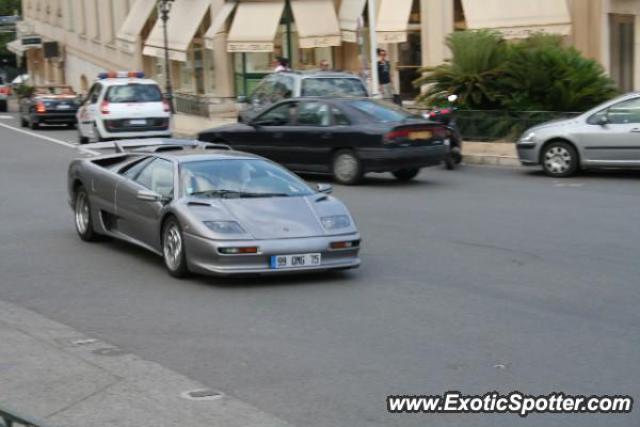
point(134, 93)
point(54, 90)
point(333, 86)
point(240, 178)
point(381, 111)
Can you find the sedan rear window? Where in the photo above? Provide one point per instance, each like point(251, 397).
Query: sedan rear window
point(134, 93)
point(333, 86)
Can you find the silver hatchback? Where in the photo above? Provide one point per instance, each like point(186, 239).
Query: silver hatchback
point(607, 136)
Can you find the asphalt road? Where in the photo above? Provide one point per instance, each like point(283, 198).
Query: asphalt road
point(475, 280)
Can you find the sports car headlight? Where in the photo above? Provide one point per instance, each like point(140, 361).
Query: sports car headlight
point(529, 137)
point(335, 222)
point(224, 227)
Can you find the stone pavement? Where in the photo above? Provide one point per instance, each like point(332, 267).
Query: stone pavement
point(56, 374)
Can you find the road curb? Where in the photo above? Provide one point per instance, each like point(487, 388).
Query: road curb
point(490, 153)
point(57, 374)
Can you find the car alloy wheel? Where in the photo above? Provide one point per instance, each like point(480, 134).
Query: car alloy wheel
point(347, 168)
point(173, 249)
point(82, 216)
point(559, 160)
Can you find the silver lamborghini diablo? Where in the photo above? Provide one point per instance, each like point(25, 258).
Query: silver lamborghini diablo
point(208, 209)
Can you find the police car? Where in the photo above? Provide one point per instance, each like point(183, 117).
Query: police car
point(123, 105)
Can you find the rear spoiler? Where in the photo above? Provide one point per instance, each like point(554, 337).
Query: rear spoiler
point(150, 146)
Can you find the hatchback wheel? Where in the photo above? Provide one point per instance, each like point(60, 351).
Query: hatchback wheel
point(347, 167)
point(406, 174)
point(560, 159)
point(173, 251)
point(82, 139)
point(82, 216)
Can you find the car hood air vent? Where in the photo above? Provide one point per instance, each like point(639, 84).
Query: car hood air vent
point(205, 204)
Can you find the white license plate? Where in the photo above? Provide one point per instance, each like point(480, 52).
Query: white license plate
point(295, 261)
point(63, 107)
point(138, 122)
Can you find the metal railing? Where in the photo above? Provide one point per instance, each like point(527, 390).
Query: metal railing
point(9, 418)
point(191, 104)
point(500, 125)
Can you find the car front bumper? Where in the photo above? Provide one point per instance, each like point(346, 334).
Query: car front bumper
point(203, 256)
point(395, 158)
point(528, 153)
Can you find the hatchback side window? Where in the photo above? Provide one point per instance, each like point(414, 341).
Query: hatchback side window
point(625, 112)
point(314, 114)
point(131, 171)
point(157, 176)
point(94, 92)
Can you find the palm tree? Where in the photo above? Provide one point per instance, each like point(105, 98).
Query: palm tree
point(478, 62)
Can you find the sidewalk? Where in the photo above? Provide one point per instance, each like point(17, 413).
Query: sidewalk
point(490, 153)
point(66, 379)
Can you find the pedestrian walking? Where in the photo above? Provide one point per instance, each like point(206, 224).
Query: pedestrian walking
point(384, 75)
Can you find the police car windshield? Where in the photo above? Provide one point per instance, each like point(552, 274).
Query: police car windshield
point(134, 92)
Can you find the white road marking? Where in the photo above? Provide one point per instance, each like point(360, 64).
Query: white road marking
point(48, 138)
point(6, 117)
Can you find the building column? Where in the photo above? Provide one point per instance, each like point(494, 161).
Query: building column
point(437, 23)
point(224, 78)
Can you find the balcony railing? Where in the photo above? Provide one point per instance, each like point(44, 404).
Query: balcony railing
point(501, 125)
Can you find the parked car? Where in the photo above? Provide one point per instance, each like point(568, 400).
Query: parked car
point(607, 136)
point(53, 104)
point(123, 105)
point(296, 84)
point(208, 209)
point(5, 92)
point(346, 137)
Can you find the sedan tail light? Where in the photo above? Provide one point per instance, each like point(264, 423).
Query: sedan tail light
point(40, 107)
point(4, 90)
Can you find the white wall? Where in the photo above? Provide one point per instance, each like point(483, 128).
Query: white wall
point(75, 67)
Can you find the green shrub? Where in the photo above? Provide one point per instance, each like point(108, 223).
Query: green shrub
point(534, 74)
point(478, 60)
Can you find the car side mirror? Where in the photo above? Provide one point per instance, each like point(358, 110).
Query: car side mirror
point(325, 188)
point(148, 196)
point(604, 120)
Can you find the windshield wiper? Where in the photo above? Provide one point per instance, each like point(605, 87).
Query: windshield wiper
point(233, 193)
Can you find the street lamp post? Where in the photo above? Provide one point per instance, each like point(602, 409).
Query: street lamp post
point(164, 7)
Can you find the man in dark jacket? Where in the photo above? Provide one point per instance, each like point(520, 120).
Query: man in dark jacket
point(384, 75)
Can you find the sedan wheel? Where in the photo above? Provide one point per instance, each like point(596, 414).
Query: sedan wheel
point(560, 159)
point(173, 249)
point(82, 216)
point(347, 168)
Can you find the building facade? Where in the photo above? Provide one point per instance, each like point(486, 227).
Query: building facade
point(219, 49)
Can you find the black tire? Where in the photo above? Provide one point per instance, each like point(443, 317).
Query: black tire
point(34, 125)
point(559, 159)
point(406, 174)
point(82, 139)
point(449, 162)
point(346, 167)
point(82, 215)
point(176, 264)
point(3, 106)
point(23, 122)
